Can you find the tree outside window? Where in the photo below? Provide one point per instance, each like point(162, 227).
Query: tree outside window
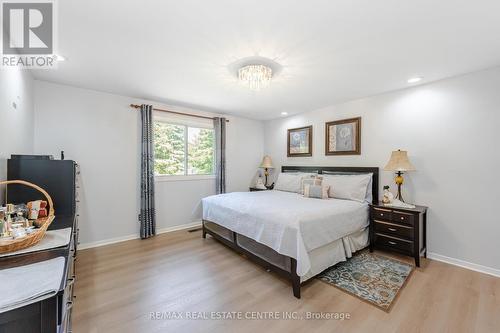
point(183, 150)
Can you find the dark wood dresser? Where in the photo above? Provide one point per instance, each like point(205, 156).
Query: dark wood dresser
point(53, 314)
point(400, 230)
point(61, 178)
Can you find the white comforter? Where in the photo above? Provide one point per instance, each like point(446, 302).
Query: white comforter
point(287, 222)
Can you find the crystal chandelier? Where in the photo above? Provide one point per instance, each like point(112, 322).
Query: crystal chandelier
point(255, 77)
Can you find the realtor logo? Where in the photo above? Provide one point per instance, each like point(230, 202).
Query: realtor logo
point(28, 34)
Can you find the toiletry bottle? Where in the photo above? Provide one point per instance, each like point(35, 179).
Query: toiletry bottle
point(8, 225)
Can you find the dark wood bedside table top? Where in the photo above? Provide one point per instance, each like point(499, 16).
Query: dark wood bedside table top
point(417, 209)
point(254, 189)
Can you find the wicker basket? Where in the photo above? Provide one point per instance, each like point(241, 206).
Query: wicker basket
point(12, 245)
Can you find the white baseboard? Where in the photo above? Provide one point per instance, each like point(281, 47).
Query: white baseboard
point(136, 236)
point(180, 227)
point(464, 264)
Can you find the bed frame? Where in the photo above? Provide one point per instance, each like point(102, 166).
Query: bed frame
point(263, 255)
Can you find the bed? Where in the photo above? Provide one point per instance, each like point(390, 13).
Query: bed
point(294, 236)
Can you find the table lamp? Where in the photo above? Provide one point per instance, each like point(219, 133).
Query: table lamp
point(266, 164)
point(399, 163)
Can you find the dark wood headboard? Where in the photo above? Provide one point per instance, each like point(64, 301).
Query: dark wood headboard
point(340, 170)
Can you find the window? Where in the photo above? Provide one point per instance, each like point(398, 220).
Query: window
point(183, 150)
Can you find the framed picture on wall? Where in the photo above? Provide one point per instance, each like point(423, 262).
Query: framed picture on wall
point(343, 137)
point(299, 142)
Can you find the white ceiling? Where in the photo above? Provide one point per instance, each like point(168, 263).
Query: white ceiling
point(331, 51)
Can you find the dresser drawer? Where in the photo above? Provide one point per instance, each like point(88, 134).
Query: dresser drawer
point(381, 214)
point(401, 217)
point(393, 229)
point(394, 243)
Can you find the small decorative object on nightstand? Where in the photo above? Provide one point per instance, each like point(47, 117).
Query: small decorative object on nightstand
point(259, 184)
point(388, 196)
point(402, 230)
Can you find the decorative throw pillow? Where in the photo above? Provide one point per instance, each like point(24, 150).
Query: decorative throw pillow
point(310, 180)
point(316, 191)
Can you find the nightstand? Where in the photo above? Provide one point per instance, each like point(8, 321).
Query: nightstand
point(254, 189)
point(401, 230)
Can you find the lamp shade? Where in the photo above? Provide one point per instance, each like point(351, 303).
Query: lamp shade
point(399, 162)
point(267, 162)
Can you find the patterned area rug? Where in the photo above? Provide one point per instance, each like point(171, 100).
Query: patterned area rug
point(371, 277)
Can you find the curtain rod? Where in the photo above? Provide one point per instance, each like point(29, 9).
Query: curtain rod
point(136, 106)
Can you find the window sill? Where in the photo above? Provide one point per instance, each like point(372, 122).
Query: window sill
point(183, 178)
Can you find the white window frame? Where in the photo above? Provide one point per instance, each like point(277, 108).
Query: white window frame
point(186, 122)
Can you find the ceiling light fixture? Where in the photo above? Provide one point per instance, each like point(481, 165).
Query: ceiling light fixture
point(284, 113)
point(255, 76)
point(415, 79)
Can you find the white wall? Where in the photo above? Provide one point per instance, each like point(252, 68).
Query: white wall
point(16, 123)
point(451, 130)
point(101, 132)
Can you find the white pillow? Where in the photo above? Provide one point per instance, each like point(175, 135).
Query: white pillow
point(350, 187)
point(290, 182)
point(369, 190)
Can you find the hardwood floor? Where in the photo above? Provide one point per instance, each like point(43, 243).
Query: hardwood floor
point(119, 286)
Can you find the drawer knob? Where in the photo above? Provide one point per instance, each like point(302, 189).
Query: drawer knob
point(381, 214)
point(402, 218)
point(392, 229)
point(392, 243)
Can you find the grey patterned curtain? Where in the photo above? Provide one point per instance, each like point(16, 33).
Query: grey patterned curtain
point(220, 154)
point(147, 217)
